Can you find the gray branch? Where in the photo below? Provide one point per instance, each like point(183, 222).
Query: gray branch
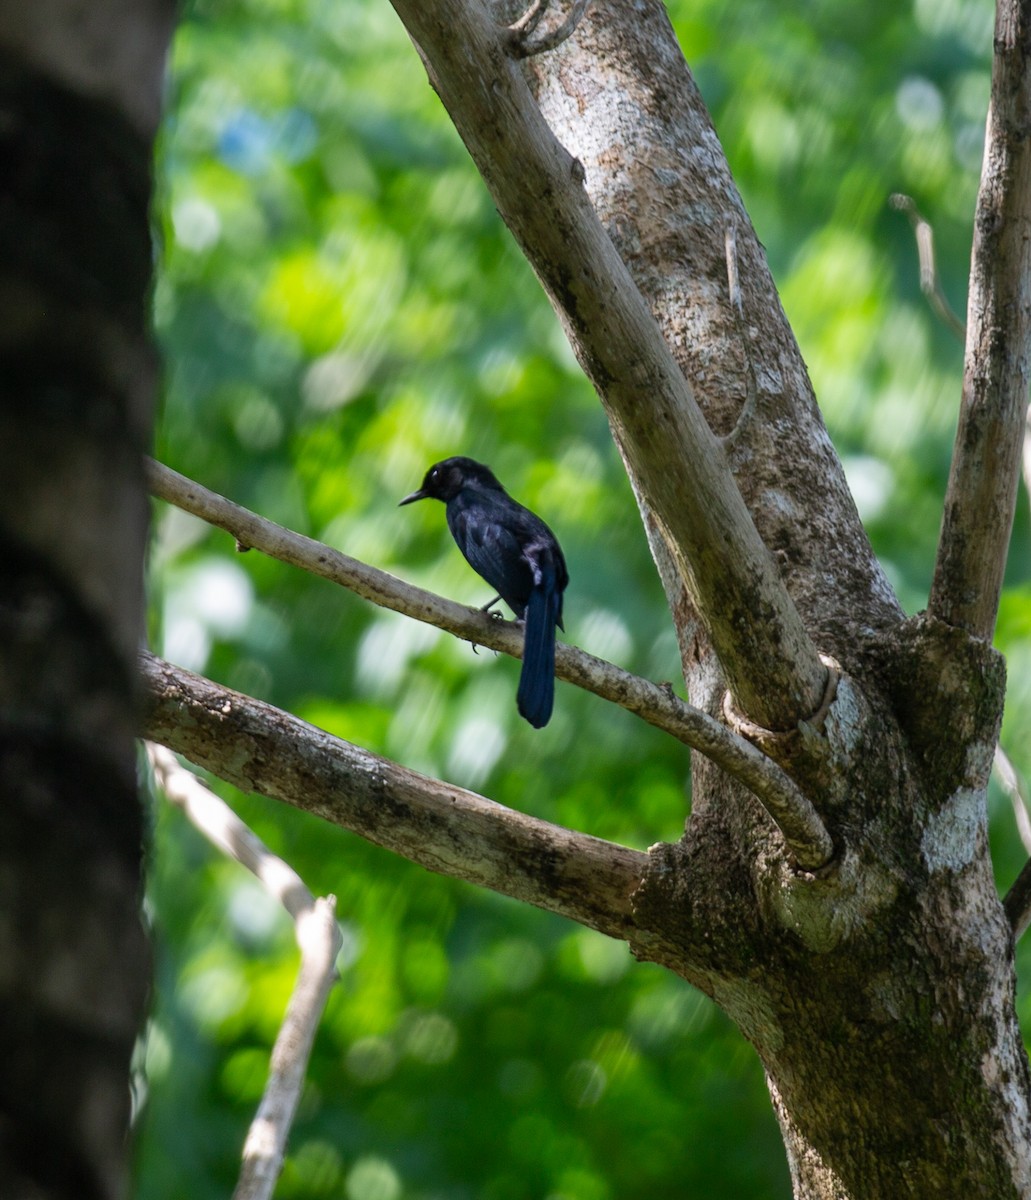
point(318, 937)
point(804, 833)
point(982, 491)
point(1013, 786)
point(771, 664)
point(1018, 903)
point(444, 828)
point(930, 281)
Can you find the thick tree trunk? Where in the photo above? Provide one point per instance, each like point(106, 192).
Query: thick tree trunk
point(78, 103)
point(880, 995)
point(879, 991)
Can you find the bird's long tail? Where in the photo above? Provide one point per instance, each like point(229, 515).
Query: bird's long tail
point(536, 693)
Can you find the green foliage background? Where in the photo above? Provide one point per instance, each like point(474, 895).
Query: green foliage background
point(339, 306)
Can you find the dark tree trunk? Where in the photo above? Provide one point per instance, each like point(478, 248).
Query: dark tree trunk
point(77, 107)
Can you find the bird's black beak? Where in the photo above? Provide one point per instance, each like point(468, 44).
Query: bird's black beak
point(419, 495)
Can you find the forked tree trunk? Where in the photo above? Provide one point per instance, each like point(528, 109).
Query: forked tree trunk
point(879, 992)
point(880, 997)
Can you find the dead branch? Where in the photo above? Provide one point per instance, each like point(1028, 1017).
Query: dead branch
point(930, 282)
point(318, 937)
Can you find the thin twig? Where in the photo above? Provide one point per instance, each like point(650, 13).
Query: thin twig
point(524, 47)
point(227, 832)
point(1018, 899)
point(930, 283)
point(530, 19)
point(657, 705)
point(318, 937)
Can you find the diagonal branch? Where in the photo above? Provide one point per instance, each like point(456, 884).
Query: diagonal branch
point(230, 835)
point(446, 829)
point(679, 467)
point(982, 491)
point(659, 706)
point(1017, 902)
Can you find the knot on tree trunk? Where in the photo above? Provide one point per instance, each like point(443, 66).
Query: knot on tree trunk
point(940, 676)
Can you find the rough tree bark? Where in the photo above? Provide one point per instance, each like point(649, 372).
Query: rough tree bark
point(879, 992)
point(79, 95)
point(876, 986)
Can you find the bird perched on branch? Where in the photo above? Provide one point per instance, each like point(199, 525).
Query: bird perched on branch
point(518, 555)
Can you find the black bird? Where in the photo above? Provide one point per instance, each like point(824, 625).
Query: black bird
point(518, 555)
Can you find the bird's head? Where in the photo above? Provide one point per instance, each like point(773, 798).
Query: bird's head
point(444, 480)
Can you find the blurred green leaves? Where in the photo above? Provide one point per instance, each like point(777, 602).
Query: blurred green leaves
point(339, 306)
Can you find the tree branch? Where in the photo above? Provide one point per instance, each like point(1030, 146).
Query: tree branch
point(930, 282)
point(981, 496)
point(659, 706)
point(1018, 902)
point(523, 46)
point(444, 828)
point(1011, 784)
point(679, 465)
point(620, 96)
point(318, 938)
point(264, 1149)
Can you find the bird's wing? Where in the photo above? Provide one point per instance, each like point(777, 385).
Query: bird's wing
point(493, 549)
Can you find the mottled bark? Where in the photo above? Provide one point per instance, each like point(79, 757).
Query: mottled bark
point(878, 988)
point(75, 412)
point(879, 992)
point(620, 97)
point(678, 465)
